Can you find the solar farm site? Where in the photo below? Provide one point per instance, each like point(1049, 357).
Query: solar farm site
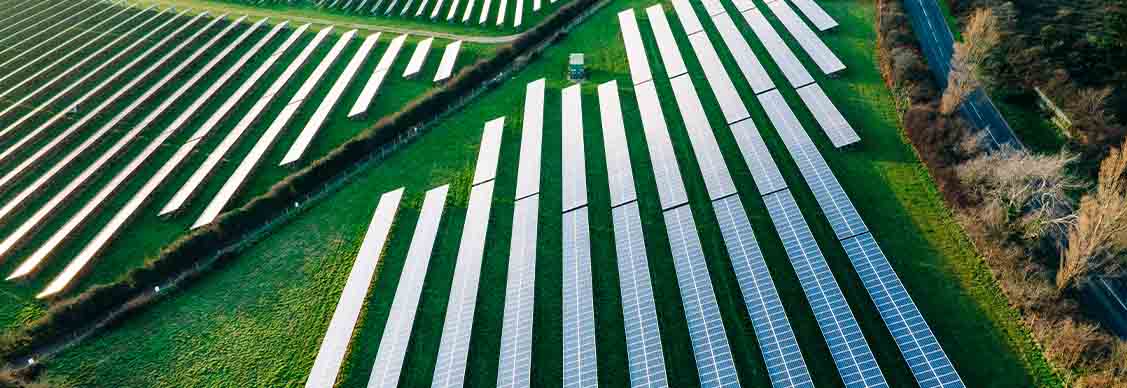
point(723, 199)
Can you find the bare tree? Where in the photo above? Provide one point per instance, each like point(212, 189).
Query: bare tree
point(1090, 107)
point(980, 36)
point(1101, 226)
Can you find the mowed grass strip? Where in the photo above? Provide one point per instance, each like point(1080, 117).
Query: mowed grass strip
point(258, 320)
point(145, 236)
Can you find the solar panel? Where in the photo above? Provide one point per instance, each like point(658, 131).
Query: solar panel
point(713, 7)
point(140, 198)
point(364, 101)
point(217, 155)
point(37, 30)
point(810, 42)
point(406, 6)
point(469, 10)
point(330, 356)
point(437, 7)
point(666, 45)
point(815, 14)
point(401, 317)
point(831, 197)
point(454, 346)
point(722, 87)
point(791, 67)
point(635, 49)
point(717, 179)
point(777, 343)
point(501, 9)
point(619, 174)
point(748, 63)
point(92, 205)
point(535, 5)
point(829, 118)
point(924, 355)
point(418, 58)
point(281, 121)
point(711, 351)
point(766, 174)
point(518, 13)
point(515, 365)
point(453, 10)
point(579, 358)
point(484, 12)
point(20, 10)
point(643, 334)
point(305, 137)
point(55, 47)
point(490, 151)
point(574, 169)
point(741, 5)
point(855, 362)
point(531, 140)
point(32, 17)
point(670, 187)
point(687, 16)
point(449, 59)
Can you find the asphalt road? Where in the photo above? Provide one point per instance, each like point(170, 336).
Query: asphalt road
point(938, 45)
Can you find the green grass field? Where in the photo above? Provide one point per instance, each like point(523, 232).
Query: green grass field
point(258, 320)
point(145, 236)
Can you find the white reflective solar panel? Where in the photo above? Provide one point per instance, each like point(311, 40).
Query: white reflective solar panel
point(670, 186)
point(535, 5)
point(741, 5)
point(19, 10)
point(401, 317)
point(305, 137)
point(810, 42)
point(855, 362)
point(453, 10)
point(469, 11)
point(922, 352)
point(422, 7)
point(639, 313)
point(490, 151)
point(437, 8)
point(722, 87)
point(418, 58)
point(76, 265)
point(829, 118)
point(37, 30)
point(687, 16)
point(635, 49)
point(713, 356)
point(501, 10)
point(574, 164)
point(51, 53)
point(373, 86)
point(666, 45)
point(449, 59)
point(454, 346)
point(717, 179)
point(205, 170)
point(749, 64)
point(766, 174)
point(777, 343)
point(617, 151)
point(531, 140)
point(518, 13)
point(330, 356)
point(831, 197)
point(515, 365)
point(281, 121)
point(791, 67)
point(580, 369)
point(713, 7)
point(484, 12)
point(815, 14)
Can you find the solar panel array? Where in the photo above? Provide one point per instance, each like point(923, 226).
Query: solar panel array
point(190, 187)
point(741, 51)
point(266, 141)
point(619, 175)
point(401, 317)
point(731, 105)
point(815, 14)
point(670, 186)
point(764, 172)
point(580, 364)
point(791, 67)
point(418, 58)
point(828, 117)
point(531, 140)
point(454, 346)
point(515, 366)
point(364, 101)
point(449, 58)
point(330, 355)
point(102, 21)
point(635, 49)
point(666, 45)
point(38, 30)
point(710, 160)
point(806, 38)
point(574, 167)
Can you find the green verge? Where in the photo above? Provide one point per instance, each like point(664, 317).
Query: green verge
point(147, 234)
point(258, 320)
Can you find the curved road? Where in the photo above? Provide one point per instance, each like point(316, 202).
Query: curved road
point(938, 45)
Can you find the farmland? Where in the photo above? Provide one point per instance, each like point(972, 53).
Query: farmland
point(258, 320)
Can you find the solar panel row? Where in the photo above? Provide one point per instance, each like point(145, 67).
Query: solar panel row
point(56, 46)
point(531, 140)
point(731, 105)
point(617, 151)
point(580, 367)
point(666, 45)
point(330, 355)
point(501, 12)
point(38, 30)
point(717, 179)
point(488, 155)
point(266, 141)
point(190, 187)
point(329, 102)
point(484, 12)
point(670, 186)
point(828, 117)
point(401, 317)
point(20, 11)
point(639, 313)
point(514, 368)
point(791, 67)
point(823, 57)
point(574, 167)
point(418, 58)
point(364, 101)
point(95, 203)
point(635, 49)
point(815, 14)
point(26, 23)
point(748, 63)
point(764, 172)
point(449, 59)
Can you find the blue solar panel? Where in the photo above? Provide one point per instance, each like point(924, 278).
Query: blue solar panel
point(921, 350)
point(854, 359)
point(772, 328)
point(706, 328)
point(579, 357)
point(643, 336)
point(515, 364)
